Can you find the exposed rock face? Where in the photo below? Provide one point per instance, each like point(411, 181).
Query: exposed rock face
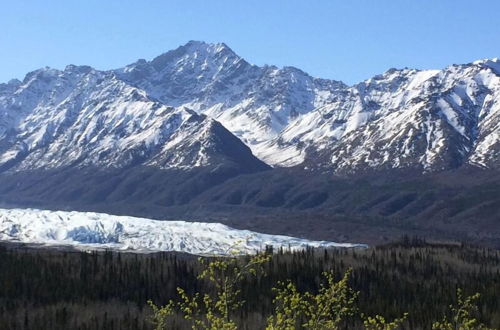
point(193, 134)
point(161, 113)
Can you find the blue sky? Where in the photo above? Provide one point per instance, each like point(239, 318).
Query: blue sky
point(344, 40)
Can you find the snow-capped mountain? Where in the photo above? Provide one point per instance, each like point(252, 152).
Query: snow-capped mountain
point(431, 120)
point(198, 105)
point(84, 117)
point(193, 133)
point(90, 230)
point(255, 103)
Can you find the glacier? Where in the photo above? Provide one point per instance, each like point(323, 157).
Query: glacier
point(90, 231)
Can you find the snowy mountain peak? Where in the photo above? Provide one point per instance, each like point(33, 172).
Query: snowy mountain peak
point(405, 118)
point(79, 69)
point(195, 53)
point(87, 118)
point(493, 64)
point(148, 111)
point(202, 46)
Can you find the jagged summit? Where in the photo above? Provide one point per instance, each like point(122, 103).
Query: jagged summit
point(431, 120)
point(193, 133)
point(195, 52)
point(493, 64)
point(218, 47)
point(255, 103)
point(81, 117)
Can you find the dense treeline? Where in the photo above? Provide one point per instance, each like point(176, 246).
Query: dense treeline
point(53, 289)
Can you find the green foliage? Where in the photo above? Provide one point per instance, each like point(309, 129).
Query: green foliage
point(334, 302)
point(289, 308)
point(380, 323)
point(58, 289)
point(332, 305)
point(213, 311)
point(160, 314)
point(328, 309)
point(462, 315)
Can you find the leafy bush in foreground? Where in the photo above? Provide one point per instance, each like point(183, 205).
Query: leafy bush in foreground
point(330, 308)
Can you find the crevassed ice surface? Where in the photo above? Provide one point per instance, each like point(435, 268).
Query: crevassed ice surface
point(90, 230)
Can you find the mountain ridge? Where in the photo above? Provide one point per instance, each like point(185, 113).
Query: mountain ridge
point(428, 119)
point(200, 134)
point(81, 116)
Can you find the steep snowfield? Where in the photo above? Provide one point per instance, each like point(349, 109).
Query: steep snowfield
point(83, 117)
point(431, 120)
point(254, 103)
point(88, 230)
point(162, 113)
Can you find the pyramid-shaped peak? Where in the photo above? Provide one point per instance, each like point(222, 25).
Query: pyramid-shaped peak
point(203, 49)
point(196, 51)
point(195, 45)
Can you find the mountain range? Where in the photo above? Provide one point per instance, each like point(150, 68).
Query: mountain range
point(200, 133)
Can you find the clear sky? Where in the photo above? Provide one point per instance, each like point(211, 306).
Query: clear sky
point(347, 40)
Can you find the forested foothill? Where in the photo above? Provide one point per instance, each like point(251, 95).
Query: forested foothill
point(64, 289)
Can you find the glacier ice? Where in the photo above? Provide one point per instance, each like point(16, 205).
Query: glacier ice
point(89, 230)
